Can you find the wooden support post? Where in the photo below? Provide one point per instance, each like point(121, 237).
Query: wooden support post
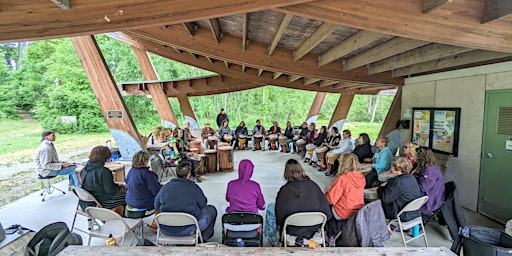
point(393, 116)
point(163, 107)
point(315, 107)
point(112, 106)
point(187, 111)
point(341, 111)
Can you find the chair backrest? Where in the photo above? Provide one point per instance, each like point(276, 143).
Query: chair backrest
point(156, 164)
point(176, 219)
point(103, 214)
point(304, 219)
point(85, 196)
point(414, 205)
point(242, 218)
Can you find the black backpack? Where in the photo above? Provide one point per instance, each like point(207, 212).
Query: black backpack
point(52, 239)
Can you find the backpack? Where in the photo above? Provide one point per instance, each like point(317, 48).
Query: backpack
point(52, 239)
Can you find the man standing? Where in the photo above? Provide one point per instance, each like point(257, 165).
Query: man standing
point(221, 117)
point(47, 160)
point(192, 202)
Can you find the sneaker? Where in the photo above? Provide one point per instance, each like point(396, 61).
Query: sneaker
point(331, 242)
point(200, 178)
point(306, 160)
point(327, 174)
point(320, 170)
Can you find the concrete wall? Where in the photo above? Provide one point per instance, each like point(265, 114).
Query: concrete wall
point(463, 89)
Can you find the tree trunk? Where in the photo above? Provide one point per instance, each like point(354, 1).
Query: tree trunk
point(375, 105)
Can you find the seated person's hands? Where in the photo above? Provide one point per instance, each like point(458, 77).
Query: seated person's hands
point(368, 160)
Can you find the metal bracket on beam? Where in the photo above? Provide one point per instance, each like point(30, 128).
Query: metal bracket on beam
point(142, 87)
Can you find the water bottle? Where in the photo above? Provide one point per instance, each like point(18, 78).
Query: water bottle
point(416, 231)
point(239, 242)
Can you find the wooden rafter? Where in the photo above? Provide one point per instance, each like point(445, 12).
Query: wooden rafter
point(227, 64)
point(310, 80)
point(260, 71)
point(431, 5)
point(243, 68)
point(292, 78)
point(191, 27)
point(255, 56)
point(316, 38)
point(324, 83)
point(279, 33)
point(349, 45)
point(422, 54)
point(495, 9)
point(406, 19)
point(451, 61)
point(215, 27)
point(382, 51)
point(277, 75)
point(245, 31)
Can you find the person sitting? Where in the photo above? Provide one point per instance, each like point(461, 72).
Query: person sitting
point(274, 129)
point(206, 132)
point(430, 180)
point(311, 135)
point(225, 130)
point(318, 142)
point(243, 194)
point(346, 145)
point(193, 201)
point(179, 151)
point(288, 132)
point(410, 153)
point(258, 129)
point(299, 194)
point(346, 195)
point(364, 149)
point(241, 130)
point(399, 191)
point(48, 163)
point(331, 142)
point(382, 162)
point(98, 180)
point(302, 135)
point(187, 134)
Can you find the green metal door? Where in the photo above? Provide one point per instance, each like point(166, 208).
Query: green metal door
point(496, 165)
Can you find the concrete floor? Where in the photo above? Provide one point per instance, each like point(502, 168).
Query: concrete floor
point(30, 212)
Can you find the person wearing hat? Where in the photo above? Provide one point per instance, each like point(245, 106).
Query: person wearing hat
point(221, 117)
point(207, 131)
point(48, 163)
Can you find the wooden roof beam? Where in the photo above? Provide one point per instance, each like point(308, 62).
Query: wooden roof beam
point(260, 71)
point(245, 31)
point(227, 64)
point(431, 5)
point(316, 38)
point(279, 33)
point(310, 80)
point(422, 54)
point(277, 75)
point(451, 61)
point(349, 45)
point(215, 27)
point(382, 51)
point(292, 78)
point(324, 83)
point(495, 9)
point(191, 27)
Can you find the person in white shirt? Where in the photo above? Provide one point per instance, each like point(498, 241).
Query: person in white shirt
point(346, 146)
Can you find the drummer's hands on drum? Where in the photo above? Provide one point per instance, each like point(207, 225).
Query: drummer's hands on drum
point(368, 160)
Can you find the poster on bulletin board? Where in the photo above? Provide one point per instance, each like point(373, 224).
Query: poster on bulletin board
point(421, 127)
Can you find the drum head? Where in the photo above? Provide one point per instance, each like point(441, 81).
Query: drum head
point(212, 138)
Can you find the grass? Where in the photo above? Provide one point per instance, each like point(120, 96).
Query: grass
point(356, 128)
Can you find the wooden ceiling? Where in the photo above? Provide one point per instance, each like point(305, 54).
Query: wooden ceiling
point(349, 46)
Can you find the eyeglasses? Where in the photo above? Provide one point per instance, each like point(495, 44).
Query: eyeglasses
point(405, 146)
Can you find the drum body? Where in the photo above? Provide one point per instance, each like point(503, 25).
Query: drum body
point(300, 146)
point(212, 141)
point(331, 157)
point(282, 141)
point(258, 138)
point(223, 144)
point(196, 144)
point(310, 148)
point(241, 141)
point(226, 162)
point(228, 138)
point(272, 138)
point(320, 153)
point(370, 195)
point(211, 160)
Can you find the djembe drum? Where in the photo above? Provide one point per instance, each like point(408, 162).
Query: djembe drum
point(196, 144)
point(331, 157)
point(309, 149)
point(211, 160)
point(212, 141)
point(258, 138)
point(222, 144)
point(200, 158)
point(300, 146)
point(320, 153)
point(226, 159)
point(272, 138)
point(282, 141)
point(228, 138)
point(241, 141)
point(370, 195)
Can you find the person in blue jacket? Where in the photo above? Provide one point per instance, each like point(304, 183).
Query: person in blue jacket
point(142, 185)
point(382, 161)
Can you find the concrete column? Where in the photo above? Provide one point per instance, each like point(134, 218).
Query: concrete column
point(315, 107)
point(187, 110)
point(341, 111)
point(109, 98)
point(163, 107)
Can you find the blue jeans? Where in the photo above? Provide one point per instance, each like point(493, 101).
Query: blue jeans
point(70, 170)
point(270, 228)
point(289, 144)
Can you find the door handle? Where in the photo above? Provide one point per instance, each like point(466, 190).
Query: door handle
point(489, 155)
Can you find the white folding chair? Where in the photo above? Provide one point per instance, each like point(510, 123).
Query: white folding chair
point(304, 219)
point(85, 196)
point(114, 224)
point(410, 207)
point(177, 219)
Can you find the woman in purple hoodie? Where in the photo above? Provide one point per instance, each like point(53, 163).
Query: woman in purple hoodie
point(430, 179)
point(243, 194)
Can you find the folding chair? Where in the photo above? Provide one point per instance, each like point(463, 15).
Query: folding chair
point(165, 165)
point(244, 225)
point(114, 224)
point(414, 205)
point(304, 219)
point(83, 196)
point(177, 219)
